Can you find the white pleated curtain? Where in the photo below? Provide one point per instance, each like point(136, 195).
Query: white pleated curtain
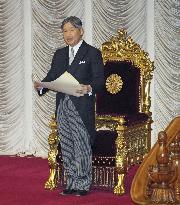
point(167, 62)
point(107, 17)
point(11, 77)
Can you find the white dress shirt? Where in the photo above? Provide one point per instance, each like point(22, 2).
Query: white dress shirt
point(76, 48)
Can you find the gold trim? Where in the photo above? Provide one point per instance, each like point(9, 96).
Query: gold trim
point(114, 83)
point(123, 48)
point(53, 141)
point(121, 156)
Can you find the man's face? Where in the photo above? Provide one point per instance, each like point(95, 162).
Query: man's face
point(72, 35)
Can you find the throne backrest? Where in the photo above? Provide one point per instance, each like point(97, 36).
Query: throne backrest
point(122, 98)
point(128, 73)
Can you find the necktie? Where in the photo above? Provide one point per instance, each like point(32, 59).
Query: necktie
point(71, 57)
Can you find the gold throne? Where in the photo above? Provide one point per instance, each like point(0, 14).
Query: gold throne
point(123, 117)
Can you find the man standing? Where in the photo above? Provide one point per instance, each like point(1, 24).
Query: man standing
point(76, 115)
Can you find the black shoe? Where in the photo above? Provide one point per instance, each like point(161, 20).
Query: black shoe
point(67, 191)
point(81, 192)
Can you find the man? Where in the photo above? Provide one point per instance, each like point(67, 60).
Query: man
point(76, 115)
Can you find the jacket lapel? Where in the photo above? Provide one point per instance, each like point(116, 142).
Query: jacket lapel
point(66, 57)
point(79, 56)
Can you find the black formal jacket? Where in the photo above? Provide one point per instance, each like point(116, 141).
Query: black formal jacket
point(88, 69)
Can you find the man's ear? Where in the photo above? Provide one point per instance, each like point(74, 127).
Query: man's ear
point(82, 31)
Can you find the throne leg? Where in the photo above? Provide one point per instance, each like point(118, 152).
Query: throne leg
point(53, 141)
point(121, 156)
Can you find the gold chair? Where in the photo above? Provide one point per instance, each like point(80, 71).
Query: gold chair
point(123, 117)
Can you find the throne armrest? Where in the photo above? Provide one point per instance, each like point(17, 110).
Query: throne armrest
point(108, 122)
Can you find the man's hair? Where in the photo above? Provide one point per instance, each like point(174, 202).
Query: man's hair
point(75, 21)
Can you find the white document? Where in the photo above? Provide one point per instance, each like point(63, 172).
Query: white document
point(66, 83)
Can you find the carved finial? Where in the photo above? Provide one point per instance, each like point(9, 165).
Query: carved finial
point(162, 156)
point(162, 175)
point(162, 137)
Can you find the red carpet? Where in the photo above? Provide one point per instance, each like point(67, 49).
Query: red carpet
point(22, 183)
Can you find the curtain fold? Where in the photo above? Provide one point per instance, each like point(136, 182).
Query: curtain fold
point(110, 15)
point(11, 77)
point(167, 63)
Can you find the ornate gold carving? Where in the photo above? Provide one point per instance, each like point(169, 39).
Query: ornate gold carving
point(123, 48)
point(119, 188)
point(133, 142)
point(53, 141)
point(103, 176)
point(121, 156)
point(131, 145)
point(114, 83)
point(137, 136)
point(108, 122)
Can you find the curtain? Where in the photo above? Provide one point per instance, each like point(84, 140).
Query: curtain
point(110, 15)
point(107, 17)
point(11, 77)
point(167, 63)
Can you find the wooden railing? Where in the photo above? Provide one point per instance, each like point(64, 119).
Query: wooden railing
point(157, 180)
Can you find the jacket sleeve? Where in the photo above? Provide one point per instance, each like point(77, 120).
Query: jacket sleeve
point(97, 69)
point(51, 75)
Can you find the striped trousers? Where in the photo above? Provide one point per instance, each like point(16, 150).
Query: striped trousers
point(75, 146)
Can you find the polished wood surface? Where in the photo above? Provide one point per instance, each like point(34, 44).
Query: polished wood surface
point(139, 184)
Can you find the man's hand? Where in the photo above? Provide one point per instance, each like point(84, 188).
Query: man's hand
point(37, 85)
point(85, 89)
